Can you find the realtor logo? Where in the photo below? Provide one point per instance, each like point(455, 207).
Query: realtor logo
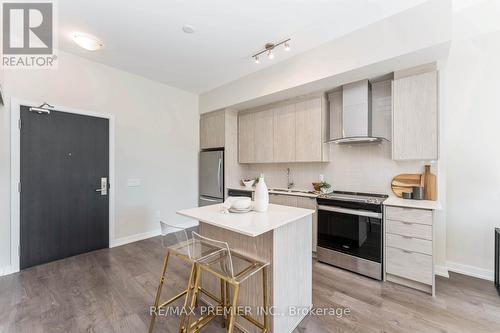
point(28, 34)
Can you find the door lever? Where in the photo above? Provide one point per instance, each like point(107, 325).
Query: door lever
point(104, 186)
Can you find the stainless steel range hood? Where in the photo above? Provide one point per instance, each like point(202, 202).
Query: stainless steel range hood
point(351, 117)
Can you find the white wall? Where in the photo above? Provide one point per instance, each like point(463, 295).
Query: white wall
point(156, 139)
point(471, 138)
point(419, 28)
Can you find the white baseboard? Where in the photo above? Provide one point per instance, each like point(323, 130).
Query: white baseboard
point(134, 238)
point(6, 270)
point(474, 271)
point(441, 271)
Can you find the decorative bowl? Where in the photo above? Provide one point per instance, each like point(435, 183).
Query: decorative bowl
point(241, 203)
point(248, 182)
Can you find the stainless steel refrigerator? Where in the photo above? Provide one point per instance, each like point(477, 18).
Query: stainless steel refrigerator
point(211, 177)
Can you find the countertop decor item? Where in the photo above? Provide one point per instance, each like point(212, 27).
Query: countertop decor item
point(418, 193)
point(316, 186)
point(406, 195)
point(405, 183)
point(261, 201)
point(248, 182)
point(429, 184)
point(325, 188)
point(241, 203)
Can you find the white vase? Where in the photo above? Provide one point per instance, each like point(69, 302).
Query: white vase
point(261, 199)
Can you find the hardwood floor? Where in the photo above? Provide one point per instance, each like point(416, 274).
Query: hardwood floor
point(111, 290)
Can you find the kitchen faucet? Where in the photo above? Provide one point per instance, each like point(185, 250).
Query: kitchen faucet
point(289, 183)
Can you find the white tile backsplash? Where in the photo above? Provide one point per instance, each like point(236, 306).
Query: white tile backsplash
point(357, 167)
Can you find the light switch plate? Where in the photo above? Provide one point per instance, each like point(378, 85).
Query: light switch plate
point(133, 182)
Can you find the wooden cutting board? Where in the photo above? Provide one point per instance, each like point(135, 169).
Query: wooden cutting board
point(405, 182)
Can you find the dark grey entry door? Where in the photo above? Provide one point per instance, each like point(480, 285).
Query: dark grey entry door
point(64, 157)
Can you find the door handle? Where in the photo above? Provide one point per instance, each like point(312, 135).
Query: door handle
point(104, 186)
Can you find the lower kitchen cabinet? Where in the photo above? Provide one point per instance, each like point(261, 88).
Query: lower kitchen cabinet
point(409, 247)
point(301, 202)
point(310, 203)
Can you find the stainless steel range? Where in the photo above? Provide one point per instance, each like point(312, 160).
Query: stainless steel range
point(350, 231)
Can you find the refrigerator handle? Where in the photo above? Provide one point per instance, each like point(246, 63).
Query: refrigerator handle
point(218, 175)
point(208, 199)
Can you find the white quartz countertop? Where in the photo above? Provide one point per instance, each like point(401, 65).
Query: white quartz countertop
point(295, 192)
point(252, 223)
point(409, 203)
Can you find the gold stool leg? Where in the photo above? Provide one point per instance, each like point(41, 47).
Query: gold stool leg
point(223, 301)
point(228, 302)
point(264, 292)
point(194, 297)
point(158, 291)
point(190, 286)
point(234, 305)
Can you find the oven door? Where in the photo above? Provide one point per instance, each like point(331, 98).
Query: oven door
point(354, 232)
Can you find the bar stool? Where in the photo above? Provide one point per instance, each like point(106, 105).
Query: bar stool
point(232, 269)
point(177, 243)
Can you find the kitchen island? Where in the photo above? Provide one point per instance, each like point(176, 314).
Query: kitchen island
point(281, 236)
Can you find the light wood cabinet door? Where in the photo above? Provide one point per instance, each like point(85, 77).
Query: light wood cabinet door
point(263, 136)
point(283, 199)
point(212, 130)
point(310, 203)
point(246, 137)
point(335, 100)
point(415, 117)
point(284, 133)
point(308, 131)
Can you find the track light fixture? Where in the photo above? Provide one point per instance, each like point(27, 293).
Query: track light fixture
point(269, 47)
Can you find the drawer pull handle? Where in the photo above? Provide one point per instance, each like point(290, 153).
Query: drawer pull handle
point(407, 223)
point(406, 251)
point(407, 237)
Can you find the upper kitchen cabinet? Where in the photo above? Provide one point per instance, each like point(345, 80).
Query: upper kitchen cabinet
point(263, 137)
point(288, 132)
point(284, 133)
point(246, 138)
point(415, 117)
point(308, 131)
point(212, 130)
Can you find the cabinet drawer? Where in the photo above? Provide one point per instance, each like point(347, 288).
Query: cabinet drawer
point(409, 215)
point(409, 229)
point(408, 243)
point(409, 265)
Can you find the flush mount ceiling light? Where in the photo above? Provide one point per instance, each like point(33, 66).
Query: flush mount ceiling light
point(269, 47)
point(87, 41)
point(189, 29)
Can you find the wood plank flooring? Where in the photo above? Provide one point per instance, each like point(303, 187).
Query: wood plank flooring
point(111, 290)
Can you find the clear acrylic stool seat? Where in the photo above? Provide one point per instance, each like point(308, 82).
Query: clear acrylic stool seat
point(232, 269)
point(177, 244)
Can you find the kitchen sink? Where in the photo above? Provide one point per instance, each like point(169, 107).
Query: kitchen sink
point(284, 190)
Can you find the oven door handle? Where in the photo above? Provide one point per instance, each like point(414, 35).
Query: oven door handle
point(350, 211)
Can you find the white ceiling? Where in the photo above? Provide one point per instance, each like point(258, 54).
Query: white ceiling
point(146, 38)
